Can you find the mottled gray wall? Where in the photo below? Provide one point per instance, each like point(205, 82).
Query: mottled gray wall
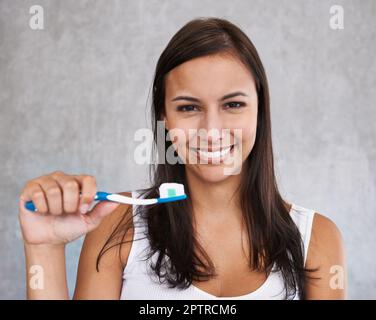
point(73, 94)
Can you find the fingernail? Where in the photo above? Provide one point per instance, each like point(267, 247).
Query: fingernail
point(84, 207)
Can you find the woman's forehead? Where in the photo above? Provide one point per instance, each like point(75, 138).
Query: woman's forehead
point(216, 75)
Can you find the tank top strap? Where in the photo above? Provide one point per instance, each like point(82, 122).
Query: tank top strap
point(303, 219)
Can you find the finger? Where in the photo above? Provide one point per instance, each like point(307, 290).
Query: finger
point(71, 192)
point(98, 213)
point(33, 192)
point(88, 187)
point(53, 194)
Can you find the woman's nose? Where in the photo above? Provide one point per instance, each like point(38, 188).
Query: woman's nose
point(212, 120)
point(212, 125)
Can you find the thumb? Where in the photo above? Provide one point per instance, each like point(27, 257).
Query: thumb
point(101, 210)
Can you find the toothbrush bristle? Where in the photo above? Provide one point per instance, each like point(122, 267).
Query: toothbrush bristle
point(168, 190)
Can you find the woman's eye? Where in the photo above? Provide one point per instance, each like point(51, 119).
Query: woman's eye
point(186, 108)
point(234, 105)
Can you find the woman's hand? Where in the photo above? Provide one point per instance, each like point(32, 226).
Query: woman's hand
point(62, 214)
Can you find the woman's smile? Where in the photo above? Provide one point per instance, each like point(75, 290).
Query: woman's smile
point(212, 155)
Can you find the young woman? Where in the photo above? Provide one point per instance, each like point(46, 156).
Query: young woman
point(234, 236)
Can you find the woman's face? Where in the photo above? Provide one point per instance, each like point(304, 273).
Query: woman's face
point(211, 115)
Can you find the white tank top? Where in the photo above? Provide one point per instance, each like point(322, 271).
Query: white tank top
point(141, 283)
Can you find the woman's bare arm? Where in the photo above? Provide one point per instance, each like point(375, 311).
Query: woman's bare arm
point(326, 252)
point(45, 272)
point(107, 283)
point(62, 202)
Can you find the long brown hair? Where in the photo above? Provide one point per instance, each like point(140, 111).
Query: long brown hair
point(273, 236)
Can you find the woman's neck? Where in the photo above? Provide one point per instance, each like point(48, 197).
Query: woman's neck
point(219, 200)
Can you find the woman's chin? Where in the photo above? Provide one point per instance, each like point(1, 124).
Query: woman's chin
point(212, 173)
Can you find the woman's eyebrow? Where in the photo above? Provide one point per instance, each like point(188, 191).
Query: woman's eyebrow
point(227, 96)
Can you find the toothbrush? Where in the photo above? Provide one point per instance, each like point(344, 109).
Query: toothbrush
point(168, 192)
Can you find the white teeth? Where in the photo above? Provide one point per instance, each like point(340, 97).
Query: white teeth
point(215, 154)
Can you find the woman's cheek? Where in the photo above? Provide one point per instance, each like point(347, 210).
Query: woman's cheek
point(248, 138)
point(177, 137)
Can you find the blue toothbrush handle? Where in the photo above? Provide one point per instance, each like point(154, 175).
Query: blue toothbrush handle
point(30, 206)
point(100, 196)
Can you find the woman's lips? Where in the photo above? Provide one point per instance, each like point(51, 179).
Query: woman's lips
point(211, 155)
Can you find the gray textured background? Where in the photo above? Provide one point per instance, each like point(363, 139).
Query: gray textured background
point(73, 94)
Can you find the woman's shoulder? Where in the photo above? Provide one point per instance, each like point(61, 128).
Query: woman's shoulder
point(100, 268)
point(113, 219)
point(326, 246)
point(325, 232)
point(323, 229)
point(120, 220)
point(326, 255)
point(322, 225)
